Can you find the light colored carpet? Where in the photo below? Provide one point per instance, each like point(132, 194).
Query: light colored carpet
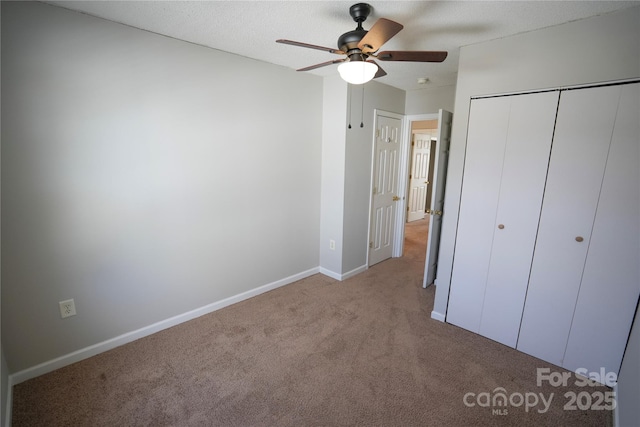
point(314, 353)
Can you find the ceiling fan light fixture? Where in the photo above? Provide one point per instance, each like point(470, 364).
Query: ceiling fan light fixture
point(357, 72)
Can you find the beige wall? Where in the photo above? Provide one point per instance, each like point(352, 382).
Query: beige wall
point(424, 124)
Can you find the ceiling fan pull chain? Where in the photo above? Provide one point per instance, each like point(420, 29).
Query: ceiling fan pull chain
point(349, 103)
point(362, 110)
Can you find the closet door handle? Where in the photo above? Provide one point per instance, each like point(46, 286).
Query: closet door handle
point(501, 226)
point(579, 239)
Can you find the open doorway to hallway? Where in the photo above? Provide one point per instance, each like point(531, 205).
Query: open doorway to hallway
point(427, 160)
point(415, 240)
point(422, 156)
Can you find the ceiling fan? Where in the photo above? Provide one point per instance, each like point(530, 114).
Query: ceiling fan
point(359, 46)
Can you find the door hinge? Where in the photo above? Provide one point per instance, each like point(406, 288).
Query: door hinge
point(370, 245)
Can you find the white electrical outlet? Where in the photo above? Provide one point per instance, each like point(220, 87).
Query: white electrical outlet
point(332, 245)
point(67, 308)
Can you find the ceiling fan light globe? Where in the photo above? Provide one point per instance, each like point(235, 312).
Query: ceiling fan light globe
point(357, 72)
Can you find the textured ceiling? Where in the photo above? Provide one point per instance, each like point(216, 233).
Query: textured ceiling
point(250, 28)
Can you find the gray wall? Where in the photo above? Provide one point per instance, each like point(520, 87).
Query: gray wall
point(4, 369)
point(334, 116)
point(430, 100)
point(358, 167)
point(346, 170)
point(598, 49)
point(144, 177)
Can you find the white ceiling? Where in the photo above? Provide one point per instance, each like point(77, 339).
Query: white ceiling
point(250, 28)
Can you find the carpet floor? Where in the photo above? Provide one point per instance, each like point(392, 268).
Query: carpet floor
point(318, 352)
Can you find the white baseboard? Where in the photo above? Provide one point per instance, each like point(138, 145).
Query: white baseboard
point(101, 347)
point(437, 316)
point(344, 276)
point(354, 272)
point(330, 273)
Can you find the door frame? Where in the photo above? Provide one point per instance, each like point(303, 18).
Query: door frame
point(403, 179)
point(403, 174)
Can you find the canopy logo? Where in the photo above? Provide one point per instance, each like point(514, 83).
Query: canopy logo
point(500, 401)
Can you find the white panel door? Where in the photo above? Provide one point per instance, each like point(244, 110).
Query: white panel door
point(486, 141)
point(438, 178)
point(531, 122)
point(419, 179)
point(580, 146)
point(611, 281)
point(385, 188)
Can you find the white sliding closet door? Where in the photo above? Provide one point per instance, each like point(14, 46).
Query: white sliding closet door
point(486, 141)
point(508, 148)
point(524, 170)
point(611, 280)
point(584, 127)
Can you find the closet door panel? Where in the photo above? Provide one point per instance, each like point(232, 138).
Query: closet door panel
point(578, 156)
point(531, 123)
point(611, 281)
point(486, 139)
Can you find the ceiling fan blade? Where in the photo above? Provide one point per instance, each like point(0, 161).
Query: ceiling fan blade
point(413, 56)
point(380, 72)
point(379, 34)
point(310, 46)
point(324, 64)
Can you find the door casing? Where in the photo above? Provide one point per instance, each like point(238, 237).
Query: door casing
point(403, 180)
point(403, 174)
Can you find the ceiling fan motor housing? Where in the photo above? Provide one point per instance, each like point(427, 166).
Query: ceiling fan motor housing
point(349, 40)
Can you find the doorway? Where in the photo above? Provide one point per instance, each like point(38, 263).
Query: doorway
point(423, 145)
point(395, 222)
point(433, 213)
point(420, 188)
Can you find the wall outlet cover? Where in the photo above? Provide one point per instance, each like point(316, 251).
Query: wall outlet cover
point(67, 308)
